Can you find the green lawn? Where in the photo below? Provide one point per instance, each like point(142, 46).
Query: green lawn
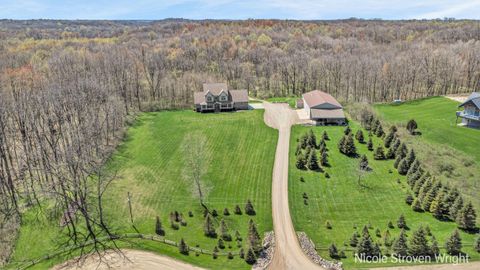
point(449, 151)
point(149, 164)
point(345, 204)
point(292, 101)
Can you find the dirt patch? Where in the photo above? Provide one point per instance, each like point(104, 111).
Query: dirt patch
point(458, 97)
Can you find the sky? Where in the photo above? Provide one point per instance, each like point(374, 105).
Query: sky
point(238, 9)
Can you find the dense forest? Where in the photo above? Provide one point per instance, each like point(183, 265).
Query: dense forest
point(68, 88)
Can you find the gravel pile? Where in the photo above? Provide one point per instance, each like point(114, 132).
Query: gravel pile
point(266, 255)
point(308, 248)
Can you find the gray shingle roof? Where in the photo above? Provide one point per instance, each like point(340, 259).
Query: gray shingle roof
point(239, 95)
point(474, 98)
point(214, 88)
point(327, 114)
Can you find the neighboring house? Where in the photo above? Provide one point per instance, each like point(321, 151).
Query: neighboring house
point(471, 110)
point(216, 97)
point(322, 108)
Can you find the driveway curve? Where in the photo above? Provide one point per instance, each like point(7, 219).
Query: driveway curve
point(288, 254)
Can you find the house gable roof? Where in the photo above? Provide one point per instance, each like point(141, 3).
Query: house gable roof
point(198, 97)
point(473, 98)
point(239, 95)
point(321, 100)
point(215, 88)
point(327, 114)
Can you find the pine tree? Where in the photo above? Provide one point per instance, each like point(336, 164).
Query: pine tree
point(312, 139)
point(401, 223)
point(254, 240)
point(457, 205)
point(249, 210)
point(349, 148)
point(354, 239)
point(301, 162)
point(403, 167)
point(437, 207)
point(378, 233)
point(434, 249)
point(390, 225)
point(370, 144)
point(379, 154)
point(304, 141)
point(365, 246)
point(208, 227)
point(454, 244)
point(413, 167)
point(322, 146)
point(449, 200)
point(389, 139)
point(238, 237)
point(312, 162)
point(409, 199)
point(390, 153)
point(347, 130)
point(466, 217)
point(325, 136)
point(341, 144)
point(412, 126)
point(333, 251)
point(250, 258)
point(430, 195)
point(182, 247)
point(416, 205)
point(298, 150)
point(379, 132)
point(238, 210)
point(158, 227)
point(476, 244)
point(420, 182)
point(375, 124)
point(413, 176)
point(224, 231)
point(387, 241)
point(410, 157)
point(226, 212)
point(396, 145)
point(324, 158)
point(363, 164)
point(400, 247)
point(401, 151)
point(241, 253)
point(425, 189)
point(359, 136)
point(220, 243)
point(418, 245)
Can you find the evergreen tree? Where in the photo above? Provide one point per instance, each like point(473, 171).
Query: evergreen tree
point(226, 212)
point(413, 167)
point(241, 253)
point(322, 146)
point(430, 195)
point(466, 217)
point(238, 210)
point(387, 241)
point(379, 132)
point(224, 231)
point(396, 145)
point(182, 247)
point(390, 225)
point(254, 240)
point(333, 251)
point(238, 237)
point(418, 245)
point(378, 233)
point(325, 136)
point(417, 206)
point(413, 176)
point(324, 159)
point(301, 162)
point(420, 182)
point(401, 223)
point(457, 205)
point(359, 136)
point(410, 157)
point(250, 258)
point(341, 144)
point(354, 239)
point(347, 130)
point(389, 139)
point(158, 227)
point(379, 154)
point(403, 167)
point(304, 141)
point(400, 247)
point(476, 244)
point(208, 227)
point(375, 125)
point(450, 199)
point(392, 129)
point(298, 150)
point(434, 249)
point(425, 189)
point(390, 153)
point(454, 244)
point(437, 207)
point(376, 251)
point(249, 210)
point(349, 148)
point(365, 247)
point(220, 243)
point(312, 139)
point(412, 126)
point(401, 151)
point(363, 164)
point(370, 144)
point(312, 162)
point(409, 199)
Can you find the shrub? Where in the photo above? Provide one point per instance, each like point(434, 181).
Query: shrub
point(226, 212)
point(390, 225)
point(214, 213)
point(333, 251)
point(190, 213)
point(230, 256)
point(328, 225)
point(241, 253)
point(412, 126)
point(409, 199)
point(327, 175)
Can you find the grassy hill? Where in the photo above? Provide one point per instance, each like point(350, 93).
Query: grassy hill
point(451, 152)
point(349, 206)
point(149, 164)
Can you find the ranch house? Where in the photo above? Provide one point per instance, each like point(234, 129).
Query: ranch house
point(322, 108)
point(216, 97)
point(471, 111)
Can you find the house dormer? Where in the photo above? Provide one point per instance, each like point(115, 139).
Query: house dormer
point(209, 97)
point(223, 96)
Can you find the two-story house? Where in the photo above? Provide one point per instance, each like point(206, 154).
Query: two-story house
point(216, 97)
point(471, 111)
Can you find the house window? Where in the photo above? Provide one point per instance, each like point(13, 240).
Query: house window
point(223, 98)
point(209, 99)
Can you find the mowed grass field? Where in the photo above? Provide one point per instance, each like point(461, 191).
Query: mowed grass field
point(345, 204)
point(292, 101)
point(451, 152)
point(149, 165)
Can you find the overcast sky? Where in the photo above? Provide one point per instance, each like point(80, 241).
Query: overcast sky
point(237, 9)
